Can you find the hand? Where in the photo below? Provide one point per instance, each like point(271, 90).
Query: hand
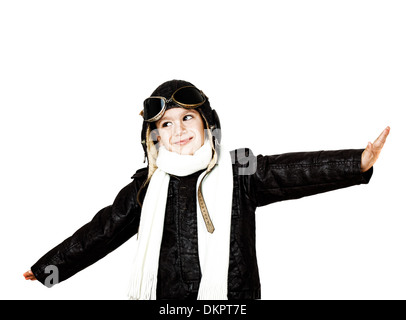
point(29, 275)
point(372, 151)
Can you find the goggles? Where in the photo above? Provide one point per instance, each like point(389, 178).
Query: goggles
point(188, 97)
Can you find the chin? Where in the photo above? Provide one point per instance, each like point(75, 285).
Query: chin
point(187, 150)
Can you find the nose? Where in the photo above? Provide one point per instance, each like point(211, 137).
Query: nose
point(179, 128)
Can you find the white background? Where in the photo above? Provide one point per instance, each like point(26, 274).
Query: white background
point(284, 76)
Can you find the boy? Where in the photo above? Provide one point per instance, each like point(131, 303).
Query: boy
point(193, 207)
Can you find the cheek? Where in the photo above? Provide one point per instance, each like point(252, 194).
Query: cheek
point(164, 137)
point(200, 131)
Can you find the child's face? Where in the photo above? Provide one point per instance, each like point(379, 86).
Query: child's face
point(181, 130)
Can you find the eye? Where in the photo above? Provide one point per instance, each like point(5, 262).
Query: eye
point(166, 124)
point(187, 117)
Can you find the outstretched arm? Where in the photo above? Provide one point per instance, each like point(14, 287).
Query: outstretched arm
point(109, 228)
point(372, 151)
point(295, 175)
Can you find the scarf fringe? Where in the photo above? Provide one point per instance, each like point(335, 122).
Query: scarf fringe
point(143, 287)
point(212, 291)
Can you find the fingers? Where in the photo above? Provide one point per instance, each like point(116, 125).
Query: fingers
point(380, 141)
point(29, 275)
point(373, 150)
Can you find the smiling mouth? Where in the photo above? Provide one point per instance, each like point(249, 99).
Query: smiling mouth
point(183, 142)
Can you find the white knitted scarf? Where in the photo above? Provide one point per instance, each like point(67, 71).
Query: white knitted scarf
point(213, 248)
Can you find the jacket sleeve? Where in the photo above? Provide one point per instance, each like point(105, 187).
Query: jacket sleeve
point(295, 175)
point(109, 228)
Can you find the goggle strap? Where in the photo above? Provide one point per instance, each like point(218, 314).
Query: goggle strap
point(203, 208)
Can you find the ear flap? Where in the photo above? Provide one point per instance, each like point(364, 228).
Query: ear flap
point(216, 127)
point(216, 119)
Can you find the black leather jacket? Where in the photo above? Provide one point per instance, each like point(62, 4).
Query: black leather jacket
point(276, 178)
